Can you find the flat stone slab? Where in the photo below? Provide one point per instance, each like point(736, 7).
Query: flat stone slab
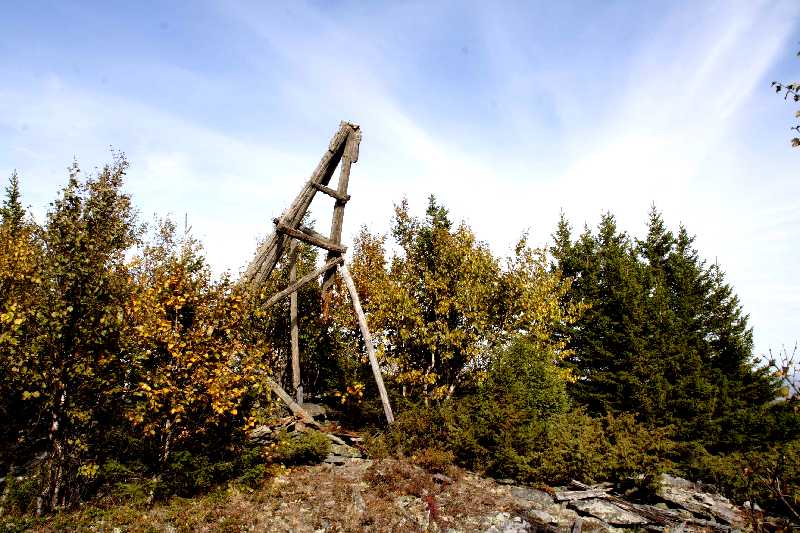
point(689, 496)
point(538, 498)
point(608, 512)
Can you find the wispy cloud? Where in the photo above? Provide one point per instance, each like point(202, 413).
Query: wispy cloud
point(507, 115)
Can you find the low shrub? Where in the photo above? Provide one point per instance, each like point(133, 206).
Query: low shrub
point(390, 478)
point(434, 460)
point(769, 477)
point(308, 447)
point(517, 424)
point(19, 496)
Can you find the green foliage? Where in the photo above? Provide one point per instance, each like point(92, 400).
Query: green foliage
point(527, 380)
point(192, 362)
point(434, 460)
point(517, 424)
point(187, 474)
point(664, 336)
point(73, 361)
point(20, 495)
point(308, 447)
point(113, 354)
point(12, 213)
point(565, 446)
point(440, 306)
point(769, 477)
point(136, 371)
point(791, 92)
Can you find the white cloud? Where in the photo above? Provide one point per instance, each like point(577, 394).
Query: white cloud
point(671, 132)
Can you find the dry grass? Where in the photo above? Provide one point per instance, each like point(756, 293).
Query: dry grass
point(387, 495)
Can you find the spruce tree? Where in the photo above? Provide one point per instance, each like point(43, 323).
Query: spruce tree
point(606, 276)
point(665, 336)
point(12, 212)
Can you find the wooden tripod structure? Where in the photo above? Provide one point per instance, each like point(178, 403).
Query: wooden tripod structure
point(289, 230)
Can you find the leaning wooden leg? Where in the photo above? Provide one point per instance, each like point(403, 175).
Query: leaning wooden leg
point(362, 324)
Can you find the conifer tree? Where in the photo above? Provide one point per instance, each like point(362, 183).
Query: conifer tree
point(12, 213)
point(606, 277)
point(21, 255)
point(665, 336)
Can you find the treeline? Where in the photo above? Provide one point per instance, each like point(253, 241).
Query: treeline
point(124, 361)
point(610, 357)
point(113, 350)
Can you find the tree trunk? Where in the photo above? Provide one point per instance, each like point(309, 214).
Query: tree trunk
point(162, 460)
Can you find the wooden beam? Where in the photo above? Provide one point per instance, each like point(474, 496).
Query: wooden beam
point(350, 155)
point(333, 193)
point(362, 324)
point(310, 237)
point(297, 410)
point(270, 251)
point(302, 281)
point(295, 329)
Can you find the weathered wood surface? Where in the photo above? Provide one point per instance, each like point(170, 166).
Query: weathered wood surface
point(362, 324)
point(311, 276)
point(333, 193)
point(309, 236)
point(296, 409)
point(270, 251)
point(295, 329)
point(350, 153)
point(571, 495)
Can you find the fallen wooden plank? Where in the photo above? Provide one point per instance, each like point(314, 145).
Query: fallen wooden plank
point(572, 495)
point(294, 407)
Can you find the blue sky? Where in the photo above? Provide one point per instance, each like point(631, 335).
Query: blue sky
point(509, 112)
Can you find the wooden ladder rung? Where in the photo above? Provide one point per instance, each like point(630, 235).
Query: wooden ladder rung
point(309, 236)
point(333, 193)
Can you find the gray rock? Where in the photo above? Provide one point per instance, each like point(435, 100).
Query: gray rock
point(334, 439)
point(556, 514)
point(590, 524)
point(441, 478)
point(343, 450)
point(316, 410)
point(503, 522)
point(543, 516)
point(261, 434)
point(607, 512)
point(358, 501)
point(689, 496)
point(534, 497)
point(334, 459)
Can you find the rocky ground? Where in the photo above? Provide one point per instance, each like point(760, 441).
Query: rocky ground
point(351, 493)
point(354, 494)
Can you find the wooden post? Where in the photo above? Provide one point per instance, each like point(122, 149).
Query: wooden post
point(362, 324)
point(295, 331)
point(349, 157)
